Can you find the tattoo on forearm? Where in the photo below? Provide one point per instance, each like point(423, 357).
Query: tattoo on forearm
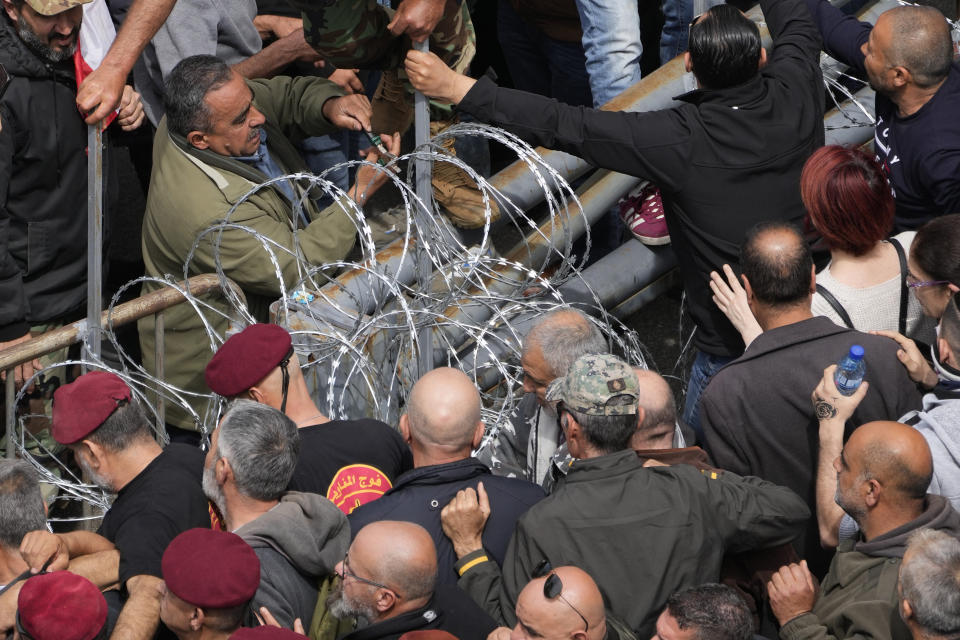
point(825, 410)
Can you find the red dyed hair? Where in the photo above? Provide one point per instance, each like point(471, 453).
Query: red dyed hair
point(847, 197)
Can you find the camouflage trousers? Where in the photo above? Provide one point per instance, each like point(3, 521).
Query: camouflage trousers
point(352, 34)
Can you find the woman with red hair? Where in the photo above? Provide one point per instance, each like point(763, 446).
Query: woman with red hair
point(849, 203)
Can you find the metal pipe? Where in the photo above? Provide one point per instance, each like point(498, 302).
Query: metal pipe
point(91, 341)
point(159, 349)
point(421, 216)
point(10, 396)
point(122, 314)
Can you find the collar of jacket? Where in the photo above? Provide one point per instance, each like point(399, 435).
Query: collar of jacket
point(939, 514)
point(392, 627)
point(807, 330)
point(442, 473)
point(587, 469)
point(735, 96)
point(213, 164)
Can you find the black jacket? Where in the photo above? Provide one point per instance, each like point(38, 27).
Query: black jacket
point(758, 419)
point(419, 496)
point(43, 191)
point(449, 610)
point(724, 160)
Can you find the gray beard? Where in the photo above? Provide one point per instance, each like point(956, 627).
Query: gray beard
point(42, 49)
point(96, 478)
point(342, 608)
point(213, 491)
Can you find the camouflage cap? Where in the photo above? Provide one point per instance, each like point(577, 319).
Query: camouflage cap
point(53, 7)
point(597, 385)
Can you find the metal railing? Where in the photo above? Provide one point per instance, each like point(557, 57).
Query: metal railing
point(153, 303)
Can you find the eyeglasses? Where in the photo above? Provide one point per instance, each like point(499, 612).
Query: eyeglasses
point(553, 587)
point(913, 283)
point(347, 572)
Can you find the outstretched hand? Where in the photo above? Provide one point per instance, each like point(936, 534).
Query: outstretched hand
point(830, 404)
point(430, 76)
point(464, 518)
point(731, 298)
point(908, 353)
point(416, 18)
point(351, 112)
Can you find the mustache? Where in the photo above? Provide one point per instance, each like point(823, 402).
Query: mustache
point(254, 133)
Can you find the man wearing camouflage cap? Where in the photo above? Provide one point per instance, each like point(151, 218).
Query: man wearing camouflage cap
point(43, 173)
point(643, 533)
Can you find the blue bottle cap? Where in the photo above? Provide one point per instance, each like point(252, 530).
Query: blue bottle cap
point(856, 352)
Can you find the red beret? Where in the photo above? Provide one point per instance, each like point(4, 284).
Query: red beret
point(61, 606)
point(246, 358)
point(265, 632)
point(83, 405)
point(211, 569)
point(428, 634)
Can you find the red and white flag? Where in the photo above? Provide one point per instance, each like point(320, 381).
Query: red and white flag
point(97, 33)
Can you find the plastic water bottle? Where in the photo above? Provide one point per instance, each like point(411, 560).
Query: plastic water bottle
point(850, 370)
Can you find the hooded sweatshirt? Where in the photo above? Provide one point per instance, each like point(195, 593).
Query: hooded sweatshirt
point(939, 423)
point(299, 541)
point(858, 597)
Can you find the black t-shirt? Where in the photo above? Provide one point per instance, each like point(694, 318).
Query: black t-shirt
point(351, 462)
point(164, 500)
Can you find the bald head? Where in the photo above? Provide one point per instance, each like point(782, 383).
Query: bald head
point(443, 410)
point(410, 568)
point(778, 265)
point(919, 41)
point(557, 617)
point(895, 454)
point(657, 425)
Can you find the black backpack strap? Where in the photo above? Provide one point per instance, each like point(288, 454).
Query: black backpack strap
point(833, 302)
point(904, 293)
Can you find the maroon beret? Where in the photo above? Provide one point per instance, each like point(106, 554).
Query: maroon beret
point(428, 634)
point(265, 632)
point(83, 405)
point(246, 358)
point(211, 569)
point(61, 606)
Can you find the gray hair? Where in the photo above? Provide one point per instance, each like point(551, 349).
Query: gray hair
point(564, 336)
point(186, 89)
point(930, 581)
point(713, 611)
point(125, 426)
point(262, 445)
point(921, 42)
point(21, 504)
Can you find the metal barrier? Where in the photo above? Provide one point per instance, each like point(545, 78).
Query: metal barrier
point(151, 304)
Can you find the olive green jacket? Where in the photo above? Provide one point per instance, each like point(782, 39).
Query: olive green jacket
point(192, 190)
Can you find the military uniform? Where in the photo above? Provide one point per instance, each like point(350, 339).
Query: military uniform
point(353, 34)
point(641, 533)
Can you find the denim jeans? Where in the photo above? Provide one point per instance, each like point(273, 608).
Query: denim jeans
point(611, 41)
point(677, 16)
point(704, 367)
point(540, 64)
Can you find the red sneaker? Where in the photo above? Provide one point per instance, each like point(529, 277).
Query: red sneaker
point(642, 211)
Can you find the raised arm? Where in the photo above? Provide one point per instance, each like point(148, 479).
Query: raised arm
point(101, 91)
point(842, 35)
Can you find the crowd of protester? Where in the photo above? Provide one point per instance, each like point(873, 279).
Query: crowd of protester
point(778, 501)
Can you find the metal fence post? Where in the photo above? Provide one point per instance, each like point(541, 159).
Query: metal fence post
point(91, 343)
point(421, 221)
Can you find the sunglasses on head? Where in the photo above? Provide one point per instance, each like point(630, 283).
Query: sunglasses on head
point(553, 587)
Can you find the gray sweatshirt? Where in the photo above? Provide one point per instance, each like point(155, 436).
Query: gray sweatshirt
point(299, 542)
point(222, 28)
